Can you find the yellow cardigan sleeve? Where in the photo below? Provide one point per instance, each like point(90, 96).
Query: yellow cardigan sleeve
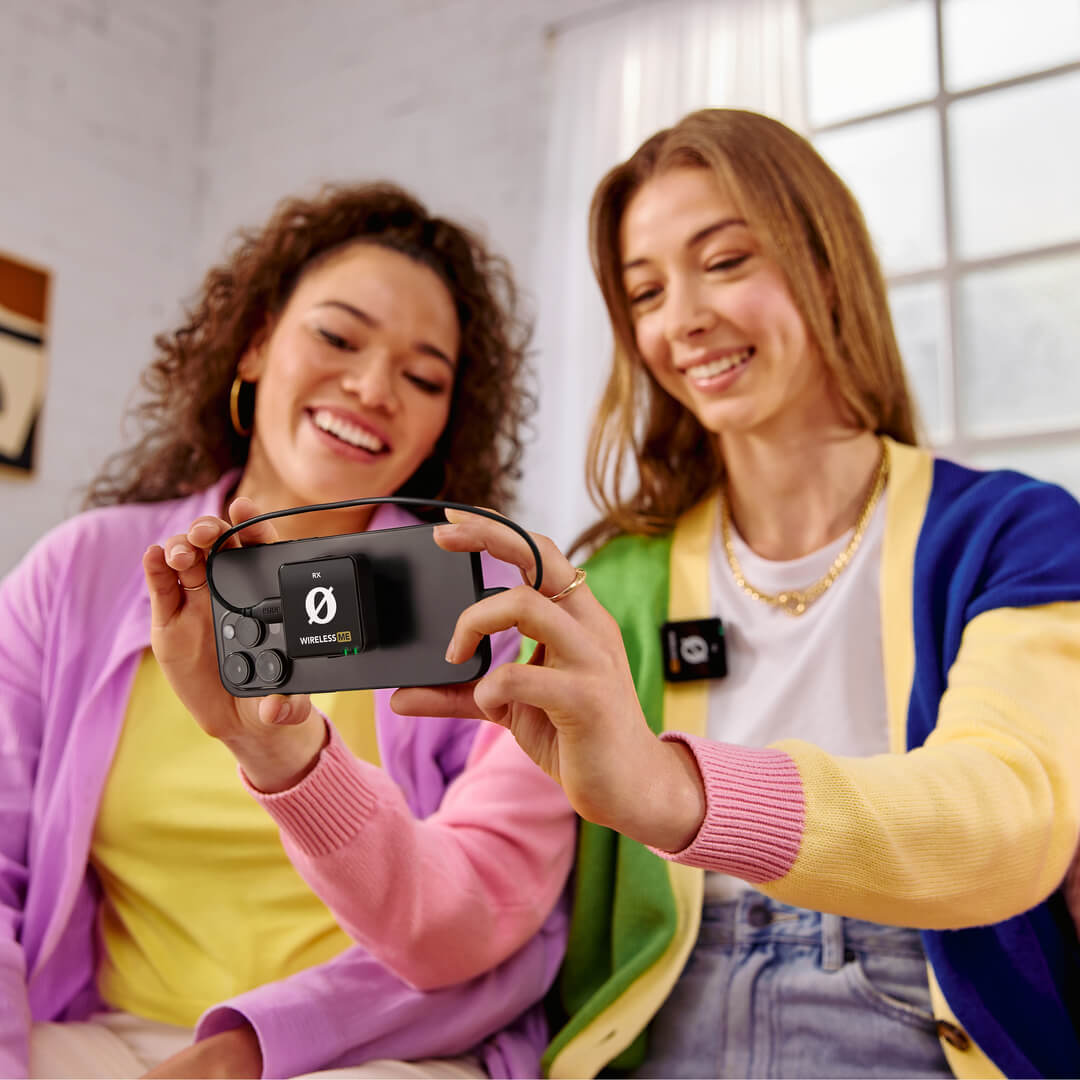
point(978, 824)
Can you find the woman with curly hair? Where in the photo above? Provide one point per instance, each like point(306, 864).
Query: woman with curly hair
point(150, 917)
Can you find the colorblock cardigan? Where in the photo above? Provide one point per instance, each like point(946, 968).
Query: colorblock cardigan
point(964, 830)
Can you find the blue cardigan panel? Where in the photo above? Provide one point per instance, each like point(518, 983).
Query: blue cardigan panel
point(994, 540)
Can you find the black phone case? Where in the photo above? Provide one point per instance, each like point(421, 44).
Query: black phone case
point(418, 591)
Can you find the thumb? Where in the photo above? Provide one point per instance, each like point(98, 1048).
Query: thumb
point(277, 710)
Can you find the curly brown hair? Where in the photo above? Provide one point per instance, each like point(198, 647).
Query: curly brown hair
point(188, 441)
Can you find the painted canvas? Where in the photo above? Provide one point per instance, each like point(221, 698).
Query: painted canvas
point(24, 300)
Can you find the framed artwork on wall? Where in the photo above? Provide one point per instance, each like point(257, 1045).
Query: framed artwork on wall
point(24, 305)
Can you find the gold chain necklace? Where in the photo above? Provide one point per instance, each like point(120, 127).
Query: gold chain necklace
point(796, 601)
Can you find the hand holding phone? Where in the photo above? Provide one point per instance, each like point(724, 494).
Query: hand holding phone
point(275, 738)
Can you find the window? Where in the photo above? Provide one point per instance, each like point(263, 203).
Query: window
point(955, 123)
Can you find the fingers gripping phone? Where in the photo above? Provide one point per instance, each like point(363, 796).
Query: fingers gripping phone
point(354, 612)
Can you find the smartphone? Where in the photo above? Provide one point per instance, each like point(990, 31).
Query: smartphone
point(358, 611)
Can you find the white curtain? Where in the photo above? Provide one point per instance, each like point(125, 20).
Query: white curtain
point(613, 82)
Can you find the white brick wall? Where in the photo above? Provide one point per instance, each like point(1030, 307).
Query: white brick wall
point(98, 112)
point(135, 135)
point(447, 97)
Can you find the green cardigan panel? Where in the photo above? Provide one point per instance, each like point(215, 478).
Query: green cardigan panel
point(624, 915)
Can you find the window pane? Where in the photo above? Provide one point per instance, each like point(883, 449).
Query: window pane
point(922, 329)
point(988, 40)
point(1058, 461)
point(893, 167)
point(1016, 167)
point(1018, 330)
point(863, 63)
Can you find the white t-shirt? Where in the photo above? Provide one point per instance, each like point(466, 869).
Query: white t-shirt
point(818, 676)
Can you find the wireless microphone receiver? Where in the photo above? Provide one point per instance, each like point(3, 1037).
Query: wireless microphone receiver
point(356, 611)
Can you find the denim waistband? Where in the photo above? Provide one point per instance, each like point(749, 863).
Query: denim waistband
point(756, 919)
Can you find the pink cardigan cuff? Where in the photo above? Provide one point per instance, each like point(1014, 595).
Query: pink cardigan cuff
point(329, 806)
point(754, 811)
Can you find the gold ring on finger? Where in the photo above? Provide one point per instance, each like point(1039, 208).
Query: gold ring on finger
point(191, 588)
point(579, 578)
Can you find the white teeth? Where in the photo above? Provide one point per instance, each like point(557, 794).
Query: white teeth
point(713, 368)
point(350, 433)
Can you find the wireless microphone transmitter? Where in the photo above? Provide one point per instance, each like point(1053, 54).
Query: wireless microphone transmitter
point(693, 649)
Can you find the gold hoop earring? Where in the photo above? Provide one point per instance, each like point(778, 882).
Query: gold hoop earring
point(234, 407)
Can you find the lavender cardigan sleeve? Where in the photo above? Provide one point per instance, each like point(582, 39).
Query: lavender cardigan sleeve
point(25, 604)
point(352, 1009)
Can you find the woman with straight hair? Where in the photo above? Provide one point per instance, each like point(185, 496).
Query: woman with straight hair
point(818, 700)
point(151, 921)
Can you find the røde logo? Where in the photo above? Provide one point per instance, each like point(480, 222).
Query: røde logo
point(320, 604)
point(694, 649)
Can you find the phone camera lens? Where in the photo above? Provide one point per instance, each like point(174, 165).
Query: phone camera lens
point(238, 668)
point(249, 631)
point(270, 666)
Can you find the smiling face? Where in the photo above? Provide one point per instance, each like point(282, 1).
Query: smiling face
point(354, 381)
point(712, 314)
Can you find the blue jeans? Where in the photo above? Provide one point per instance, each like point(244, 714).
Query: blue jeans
point(772, 990)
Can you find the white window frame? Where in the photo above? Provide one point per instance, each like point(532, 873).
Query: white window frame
point(959, 443)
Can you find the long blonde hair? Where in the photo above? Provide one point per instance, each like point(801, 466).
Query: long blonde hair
point(805, 219)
